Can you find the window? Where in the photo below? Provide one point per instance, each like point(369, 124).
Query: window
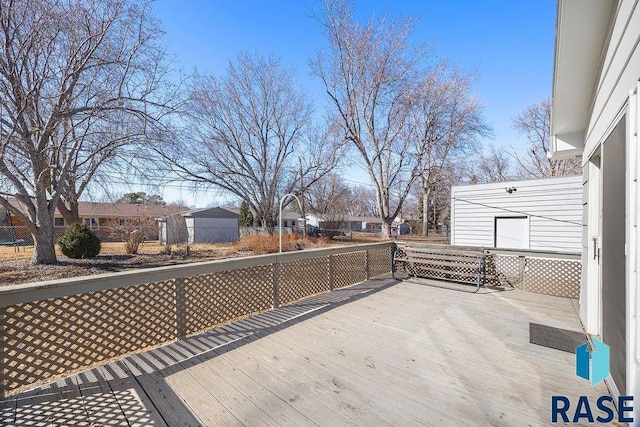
point(92, 223)
point(58, 222)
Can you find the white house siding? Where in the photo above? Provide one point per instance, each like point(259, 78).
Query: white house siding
point(552, 205)
point(606, 98)
point(619, 73)
point(615, 95)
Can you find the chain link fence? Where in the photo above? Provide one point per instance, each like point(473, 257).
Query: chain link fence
point(17, 236)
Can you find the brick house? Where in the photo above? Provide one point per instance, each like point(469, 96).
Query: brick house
point(98, 216)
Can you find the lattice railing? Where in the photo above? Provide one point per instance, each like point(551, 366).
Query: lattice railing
point(53, 337)
point(302, 278)
point(349, 268)
point(51, 330)
point(208, 300)
point(535, 271)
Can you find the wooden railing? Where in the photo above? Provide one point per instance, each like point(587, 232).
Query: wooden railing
point(51, 330)
point(542, 272)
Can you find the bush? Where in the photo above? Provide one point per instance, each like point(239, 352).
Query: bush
point(261, 244)
point(78, 241)
point(133, 232)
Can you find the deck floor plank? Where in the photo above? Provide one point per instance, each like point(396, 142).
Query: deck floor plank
point(171, 407)
point(136, 407)
point(313, 394)
point(8, 411)
point(99, 401)
point(204, 403)
point(403, 354)
point(373, 365)
point(342, 377)
point(251, 403)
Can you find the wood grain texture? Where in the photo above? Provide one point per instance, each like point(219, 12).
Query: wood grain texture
point(378, 353)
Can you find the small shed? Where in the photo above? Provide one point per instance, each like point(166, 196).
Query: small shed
point(210, 225)
point(538, 214)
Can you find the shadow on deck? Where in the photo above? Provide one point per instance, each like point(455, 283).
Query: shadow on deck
point(377, 353)
point(132, 391)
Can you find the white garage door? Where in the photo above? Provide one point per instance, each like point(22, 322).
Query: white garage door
point(512, 232)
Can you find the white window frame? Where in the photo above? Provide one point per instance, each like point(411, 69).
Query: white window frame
point(93, 223)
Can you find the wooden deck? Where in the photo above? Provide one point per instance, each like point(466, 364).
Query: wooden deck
point(378, 353)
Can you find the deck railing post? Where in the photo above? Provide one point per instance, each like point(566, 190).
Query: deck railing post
point(180, 307)
point(522, 268)
point(3, 361)
point(366, 264)
point(181, 314)
point(276, 279)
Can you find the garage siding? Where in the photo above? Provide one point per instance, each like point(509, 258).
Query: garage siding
point(215, 230)
point(553, 205)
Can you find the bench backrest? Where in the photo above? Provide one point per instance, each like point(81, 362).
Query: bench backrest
point(426, 251)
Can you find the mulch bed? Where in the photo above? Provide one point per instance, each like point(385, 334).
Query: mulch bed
point(20, 271)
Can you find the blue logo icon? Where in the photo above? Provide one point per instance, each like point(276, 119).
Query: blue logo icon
point(592, 364)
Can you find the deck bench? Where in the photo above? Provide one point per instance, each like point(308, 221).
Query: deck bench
point(464, 265)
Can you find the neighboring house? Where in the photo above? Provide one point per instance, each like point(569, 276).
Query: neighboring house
point(211, 225)
point(328, 222)
point(315, 220)
point(539, 214)
point(596, 116)
point(399, 228)
point(371, 224)
point(345, 223)
point(290, 219)
point(100, 217)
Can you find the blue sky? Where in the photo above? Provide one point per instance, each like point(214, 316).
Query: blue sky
point(509, 43)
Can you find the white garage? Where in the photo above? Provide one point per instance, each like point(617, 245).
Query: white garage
point(211, 225)
point(540, 214)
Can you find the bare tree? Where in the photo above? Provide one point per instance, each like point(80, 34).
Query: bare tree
point(368, 71)
point(493, 166)
point(534, 122)
point(69, 70)
point(133, 232)
point(363, 202)
point(248, 134)
point(328, 195)
point(112, 142)
point(445, 122)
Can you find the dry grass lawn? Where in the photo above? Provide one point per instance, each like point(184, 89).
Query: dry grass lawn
point(108, 248)
point(15, 265)
point(248, 245)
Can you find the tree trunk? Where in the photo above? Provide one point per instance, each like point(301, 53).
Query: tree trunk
point(71, 213)
point(426, 192)
point(44, 242)
point(386, 229)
